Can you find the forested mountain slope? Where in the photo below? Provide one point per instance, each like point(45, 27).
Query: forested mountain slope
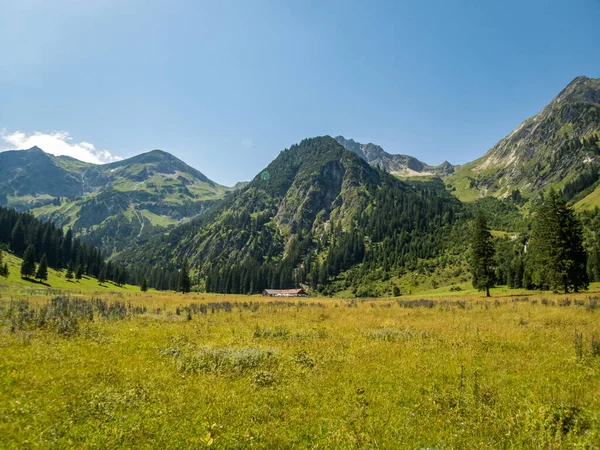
point(314, 212)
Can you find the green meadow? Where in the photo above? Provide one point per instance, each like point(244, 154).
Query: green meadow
point(155, 370)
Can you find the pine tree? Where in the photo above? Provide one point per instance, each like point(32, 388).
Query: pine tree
point(184, 283)
point(122, 278)
point(78, 272)
point(102, 274)
point(557, 253)
point(69, 274)
point(42, 271)
point(17, 239)
point(67, 245)
point(3, 265)
point(144, 285)
point(481, 258)
point(28, 265)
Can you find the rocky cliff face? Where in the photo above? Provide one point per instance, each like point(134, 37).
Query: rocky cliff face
point(401, 165)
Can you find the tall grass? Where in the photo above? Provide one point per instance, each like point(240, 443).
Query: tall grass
point(195, 371)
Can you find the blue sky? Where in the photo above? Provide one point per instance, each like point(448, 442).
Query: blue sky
point(226, 85)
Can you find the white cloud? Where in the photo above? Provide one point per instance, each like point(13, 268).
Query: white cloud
point(58, 143)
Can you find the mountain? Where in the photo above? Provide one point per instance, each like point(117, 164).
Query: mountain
point(31, 176)
point(399, 165)
point(110, 203)
point(556, 147)
point(316, 212)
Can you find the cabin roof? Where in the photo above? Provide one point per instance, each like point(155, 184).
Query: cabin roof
point(284, 291)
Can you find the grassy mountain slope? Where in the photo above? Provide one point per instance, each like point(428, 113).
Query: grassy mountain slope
point(14, 284)
point(30, 177)
point(111, 203)
point(399, 165)
point(556, 147)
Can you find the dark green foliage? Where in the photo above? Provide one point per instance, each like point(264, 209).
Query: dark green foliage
point(481, 257)
point(184, 283)
point(28, 264)
point(69, 274)
point(4, 272)
point(21, 230)
point(591, 226)
point(502, 215)
point(511, 262)
point(42, 271)
point(557, 253)
point(144, 285)
point(102, 275)
point(17, 236)
point(78, 272)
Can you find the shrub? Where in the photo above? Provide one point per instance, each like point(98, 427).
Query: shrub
point(304, 359)
point(264, 378)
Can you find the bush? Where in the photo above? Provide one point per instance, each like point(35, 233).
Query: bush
point(264, 378)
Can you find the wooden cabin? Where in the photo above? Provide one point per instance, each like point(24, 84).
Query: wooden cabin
point(284, 293)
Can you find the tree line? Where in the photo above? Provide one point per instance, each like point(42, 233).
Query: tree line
point(553, 257)
point(47, 245)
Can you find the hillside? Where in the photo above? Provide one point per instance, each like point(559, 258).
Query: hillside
point(399, 165)
point(32, 177)
point(111, 203)
point(56, 280)
point(316, 211)
point(556, 147)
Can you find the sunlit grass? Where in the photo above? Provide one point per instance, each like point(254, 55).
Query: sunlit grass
point(195, 370)
point(15, 285)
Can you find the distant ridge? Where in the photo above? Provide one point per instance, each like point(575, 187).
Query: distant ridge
point(108, 203)
point(400, 165)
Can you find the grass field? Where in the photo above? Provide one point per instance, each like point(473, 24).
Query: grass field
point(157, 370)
point(15, 285)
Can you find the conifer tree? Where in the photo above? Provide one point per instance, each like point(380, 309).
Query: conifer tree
point(28, 265)
point(184, 283)
point(102, 274)
point(3, 265)
point(69, 274)
point(17, 239)
point(144, 285)
point(481, 258)
point(67, 245)
point(78, 272)
point(42, 271)
point(557, 253)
